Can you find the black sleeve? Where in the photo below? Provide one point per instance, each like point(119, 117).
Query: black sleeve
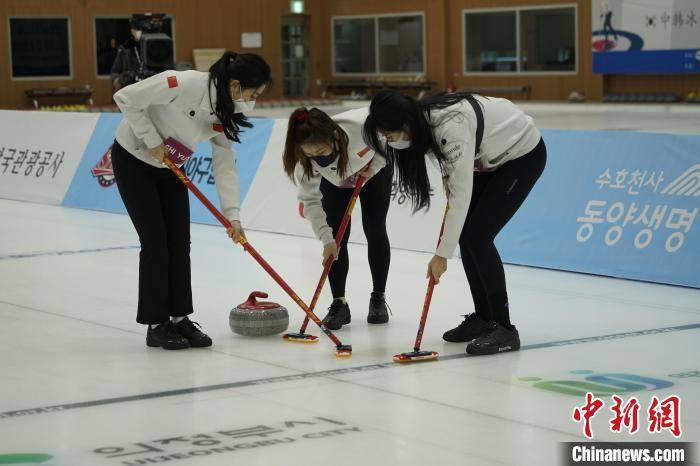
point(118, 65)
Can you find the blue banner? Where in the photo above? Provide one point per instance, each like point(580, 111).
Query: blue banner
point(93, 186)
point(621, 204)
point(613, 203)
point(645, 62)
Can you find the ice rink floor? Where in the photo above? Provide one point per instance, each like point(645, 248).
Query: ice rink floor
point(79, 386)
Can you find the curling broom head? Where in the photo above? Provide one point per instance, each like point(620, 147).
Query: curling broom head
point(300, 338)
point(416, 356)
point(343, 351)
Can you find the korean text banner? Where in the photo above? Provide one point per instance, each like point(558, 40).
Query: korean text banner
point(94, 187)
point(39, 153)
point(613, 203)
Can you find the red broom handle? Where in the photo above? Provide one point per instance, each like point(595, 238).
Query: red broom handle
point(338, 239)
point(429, 292)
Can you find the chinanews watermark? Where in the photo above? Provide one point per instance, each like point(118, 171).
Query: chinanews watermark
point(629, 408)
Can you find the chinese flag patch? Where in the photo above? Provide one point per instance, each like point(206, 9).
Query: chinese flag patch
point(218, 127)
point(172, 81)
point(363, 152)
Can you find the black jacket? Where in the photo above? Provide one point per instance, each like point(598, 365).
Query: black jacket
point(127, 63)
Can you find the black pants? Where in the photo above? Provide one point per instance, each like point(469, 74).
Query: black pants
point(607, 27)
point(158, 204)
point(496, 197)
point(374, 198)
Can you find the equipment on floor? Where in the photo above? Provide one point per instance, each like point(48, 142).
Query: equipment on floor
point(341, 350)
point(418, 355)
point(255, 318)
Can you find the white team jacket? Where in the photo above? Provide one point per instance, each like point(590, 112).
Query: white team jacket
point(176, 104)
point(359, 155)
point(508, 134)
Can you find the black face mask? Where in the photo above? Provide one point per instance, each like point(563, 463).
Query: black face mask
point(325, 160)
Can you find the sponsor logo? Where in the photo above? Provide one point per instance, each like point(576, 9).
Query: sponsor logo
point(616, 40)
point(103, 170)
point(687, 184)
point(599, 384)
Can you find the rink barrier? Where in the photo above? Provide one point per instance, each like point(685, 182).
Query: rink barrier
point(613, 203)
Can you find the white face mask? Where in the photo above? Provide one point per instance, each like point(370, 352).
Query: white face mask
point(242, 106)
point(137, 35)
point(403, 143)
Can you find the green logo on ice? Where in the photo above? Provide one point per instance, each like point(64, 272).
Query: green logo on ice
point(24, 458)
point(606, 384)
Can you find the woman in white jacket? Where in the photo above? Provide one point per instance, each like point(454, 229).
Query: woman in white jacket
point(490, 154)
point(324, 156)
point(189, 106)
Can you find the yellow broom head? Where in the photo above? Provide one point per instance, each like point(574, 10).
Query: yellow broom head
point(300, 338)
point(343, 351)
point(416, 356)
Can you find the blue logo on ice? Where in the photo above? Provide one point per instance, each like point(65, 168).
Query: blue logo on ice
point(606, 384)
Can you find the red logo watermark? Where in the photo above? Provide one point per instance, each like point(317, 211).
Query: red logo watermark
point(661, 415)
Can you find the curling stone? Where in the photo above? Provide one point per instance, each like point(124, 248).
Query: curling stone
point(255, 318)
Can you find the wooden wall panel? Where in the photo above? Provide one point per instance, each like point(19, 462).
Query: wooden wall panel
point(544, 87)
point(198, 24)
point(435, 18)
point(219, 23)
point(680, 84)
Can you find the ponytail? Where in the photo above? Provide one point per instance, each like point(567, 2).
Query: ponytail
point(251, 71)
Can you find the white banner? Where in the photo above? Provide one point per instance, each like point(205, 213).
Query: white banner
point(271, 205)
point(661, 24)
point(40, 152)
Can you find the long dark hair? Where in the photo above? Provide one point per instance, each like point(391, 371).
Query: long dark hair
point(393, 111)
point(312, 126)
point(251, 71)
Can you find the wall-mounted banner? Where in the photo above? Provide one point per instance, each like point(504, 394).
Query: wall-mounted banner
point(613, 203)
point(39, 153)
point(610, 203)
point(94, 187)
point(646, 36)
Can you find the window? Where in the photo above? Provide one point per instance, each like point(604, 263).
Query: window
point(40, 47)
point(487, 51)
point(401, 44)
point(110, 33)
point(379, 44)
point(354, 45)
point(529, 39)
point(548, 40)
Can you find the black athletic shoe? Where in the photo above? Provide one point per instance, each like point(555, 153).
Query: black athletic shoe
point(192, 331)
point(471, 327)
point(166, 336)
point(378, 309)
point(499, 340)
point(338, 315)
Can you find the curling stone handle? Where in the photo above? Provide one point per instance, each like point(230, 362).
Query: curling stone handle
point(252, 298)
